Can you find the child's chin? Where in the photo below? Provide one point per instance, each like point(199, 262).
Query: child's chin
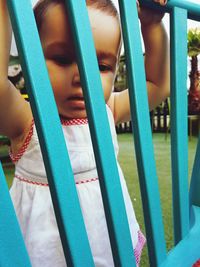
point(76, 114)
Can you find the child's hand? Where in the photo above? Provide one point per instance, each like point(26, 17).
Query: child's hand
point(149, 16)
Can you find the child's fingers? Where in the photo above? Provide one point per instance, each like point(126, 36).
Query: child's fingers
point(161, 2)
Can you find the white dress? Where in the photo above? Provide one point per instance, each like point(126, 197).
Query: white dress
point(33, 204)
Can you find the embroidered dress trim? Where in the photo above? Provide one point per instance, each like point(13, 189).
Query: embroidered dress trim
point(71, 122)
point(64, 122)
point(87, 181)
point(29, 181)
point(140, 244)
point(197, 264)
point(21, 151)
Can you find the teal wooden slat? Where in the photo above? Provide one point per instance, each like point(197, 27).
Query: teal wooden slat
point(179, 130)
point(104, 154)
point(56, 159)
point(191, 6)
point(142, 133)
point(63, 191)
point(187, 251)
point(12, 249)
point(195, 179)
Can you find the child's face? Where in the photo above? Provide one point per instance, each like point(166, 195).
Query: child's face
point(59, 52)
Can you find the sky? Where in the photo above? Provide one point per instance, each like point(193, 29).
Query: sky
point(191, 24)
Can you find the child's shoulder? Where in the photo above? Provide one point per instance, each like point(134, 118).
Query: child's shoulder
point(111, 103)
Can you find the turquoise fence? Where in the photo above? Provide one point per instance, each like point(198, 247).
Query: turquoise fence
point(186, 203)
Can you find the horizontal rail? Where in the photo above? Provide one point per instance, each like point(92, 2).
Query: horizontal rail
point(192, 6)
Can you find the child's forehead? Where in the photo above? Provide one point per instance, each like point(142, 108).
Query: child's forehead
point(60, 7)
point(105, 28)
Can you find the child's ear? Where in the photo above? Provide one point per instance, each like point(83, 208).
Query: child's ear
point(116, 71)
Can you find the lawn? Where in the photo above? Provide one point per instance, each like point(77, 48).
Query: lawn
point(128, 164)
point(163, 164)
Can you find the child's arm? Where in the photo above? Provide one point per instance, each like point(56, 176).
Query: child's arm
point(15, 112)
point(156, 66)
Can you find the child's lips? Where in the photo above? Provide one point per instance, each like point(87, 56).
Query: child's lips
point(76, 101)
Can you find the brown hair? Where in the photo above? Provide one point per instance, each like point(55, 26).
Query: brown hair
point(43, 5)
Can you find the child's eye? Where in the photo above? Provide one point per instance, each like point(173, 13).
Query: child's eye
point(104, 68)
point(61, 60)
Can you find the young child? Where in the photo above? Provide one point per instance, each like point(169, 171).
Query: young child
point(30, 192)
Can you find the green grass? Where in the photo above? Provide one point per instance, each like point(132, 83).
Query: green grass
point(163, 165)
point(128, 164)
point(9, 173)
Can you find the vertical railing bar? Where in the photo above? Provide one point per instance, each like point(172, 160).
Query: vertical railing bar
point(179, 130)
point(195, 179)
point(11, 240)
point(100, 133)
point(142, 133)
point(41, 120)
point(62, 187)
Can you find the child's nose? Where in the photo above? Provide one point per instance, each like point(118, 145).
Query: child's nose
point(76, 77)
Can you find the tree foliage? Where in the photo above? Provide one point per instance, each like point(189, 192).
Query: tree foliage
point(194, 42)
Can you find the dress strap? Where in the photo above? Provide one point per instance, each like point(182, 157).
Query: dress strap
point(19, 154)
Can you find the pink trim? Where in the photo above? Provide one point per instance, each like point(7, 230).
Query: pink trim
point(29, 181)
point(71, 122)
point(64, 122)
point(21, 151)
point(197, 264)
point(87, 181)
point(46, 184)
point(140, 244)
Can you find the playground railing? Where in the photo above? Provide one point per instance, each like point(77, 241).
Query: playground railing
point(186, 203)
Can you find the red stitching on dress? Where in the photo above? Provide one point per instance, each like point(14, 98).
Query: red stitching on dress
point(140, 244)
point(82, 121)
point(87, 181)
point(45, 184)
point(64, 122)
point(21, 151)
point(30, 182)
point(71, 122)
point(197, 264)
